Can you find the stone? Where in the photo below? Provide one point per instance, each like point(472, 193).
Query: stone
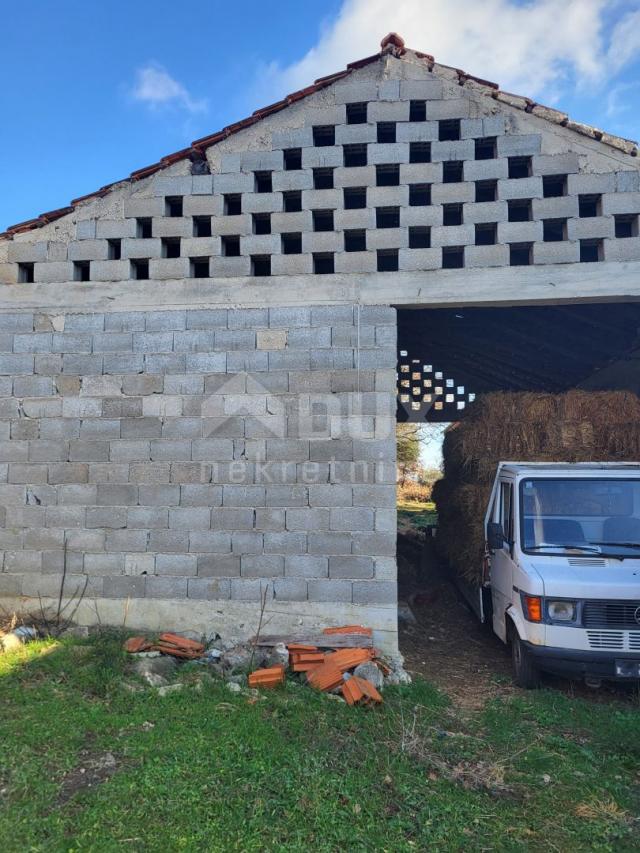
point(232, 687)
point(154, 670)
point(371, 672)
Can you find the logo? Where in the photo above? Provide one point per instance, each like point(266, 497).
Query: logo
point(636, 615)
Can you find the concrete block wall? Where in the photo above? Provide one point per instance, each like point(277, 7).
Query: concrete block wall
point(199, 457)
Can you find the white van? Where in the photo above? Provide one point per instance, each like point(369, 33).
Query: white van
point(562, 573)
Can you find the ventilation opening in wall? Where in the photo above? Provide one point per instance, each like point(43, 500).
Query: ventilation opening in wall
point(291, 243)
point(589, 205)
point(452, 172)
point(554, 230)
point(324, 135)
point(261, 223)
point(387, 260)
point(355, 240)
point(357, 113)
point(323, 178)
point(519, 167)
point(486, 191)
point(486, 234)
point(26, 273)
point(386, 131)
point(626, 225)
point(292, 201)
point(322, 220)
point(199, 267)
point(355, 198)
point(419, 152)
point(419, 195)
point(140, 269)
point(173, 206)
point(590, 251)
point(232, 204)
point(263, 182)
point(452, 257)
point(230, 246)
point(387, 217)
point(419, 237)
point(354, 155)
point(170, 247)
point(260, 265)
point(82, 271)
point(520, 254)
point(449, 129)
point(114, 249)
point(554, 185)
point(143, 228)
point(388, 175)
point(519, 210)
point(452, 214)
point(323, 263)
point(417, 111)
point(292, 159)
point(202, 226)
point(485, 148)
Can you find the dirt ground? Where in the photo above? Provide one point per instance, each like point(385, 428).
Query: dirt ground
point(448, 646)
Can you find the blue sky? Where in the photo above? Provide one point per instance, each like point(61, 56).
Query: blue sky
point(92, 91)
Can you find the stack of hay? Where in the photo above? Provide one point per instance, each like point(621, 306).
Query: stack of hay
point(578, 426)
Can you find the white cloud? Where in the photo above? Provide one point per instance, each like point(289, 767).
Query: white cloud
point(536, 49)
point(156, 88)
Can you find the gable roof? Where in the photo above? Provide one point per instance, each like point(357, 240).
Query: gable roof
point(392, 44)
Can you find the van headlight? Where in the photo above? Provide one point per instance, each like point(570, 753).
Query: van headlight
point(561, 611)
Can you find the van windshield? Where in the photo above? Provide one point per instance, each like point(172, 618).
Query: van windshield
point(586, 516)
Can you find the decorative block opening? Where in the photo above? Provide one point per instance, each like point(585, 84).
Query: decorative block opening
point(486, 191)
point(140, 269)
point(419, 152)
point(486, 148)
point(554, 230)
point(419, 237)
point(354, 155)
point(589, 205)
point(173, 205)
point(323, 263)
point(554, 185)
point(199, 267)
point(388, 175)
point(452, 172)
point(520, 254)
point(323, 178)
point(143, 227)
point(452, 214)
point(260, 265)
point(626, 225)
point(355, 240)
point(114, 249)
point(261, 223)
point(292, 159)
point(292, 200)
point(520, 167)
point(26, 273)
point(519, 210)
point(357, 113)
point(263, 182)
point(355, 198)
point(449, 129)
point(324, 135)
point(170, 247)
point(231, 246)
point(232, 204)
point(291, 243)
point(419, 195)
point(418, 111)
point(452, 257)
point(386, 131)
point(387, 260)
point(387, 217)
point(82, 271)
point(486, 233)
point(202, 226)
point(591, 251)
point(322, 220)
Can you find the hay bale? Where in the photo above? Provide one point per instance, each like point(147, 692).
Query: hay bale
point(579, 426)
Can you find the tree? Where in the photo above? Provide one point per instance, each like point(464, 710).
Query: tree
point(408, 438)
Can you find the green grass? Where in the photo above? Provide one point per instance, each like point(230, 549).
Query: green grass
point(417, 514)
point(206, 770)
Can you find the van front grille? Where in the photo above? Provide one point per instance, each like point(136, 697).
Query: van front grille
point(606, 639)
point(611, 614)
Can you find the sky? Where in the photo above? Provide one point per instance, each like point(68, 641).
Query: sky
point(93, 90)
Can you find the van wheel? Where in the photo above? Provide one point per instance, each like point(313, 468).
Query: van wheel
point(525, 672)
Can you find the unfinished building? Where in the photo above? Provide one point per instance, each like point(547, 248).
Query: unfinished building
point(198, 363)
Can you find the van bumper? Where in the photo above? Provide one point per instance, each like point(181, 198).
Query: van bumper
point(582, 663)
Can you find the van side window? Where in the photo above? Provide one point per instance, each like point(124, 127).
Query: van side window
point(506, 510)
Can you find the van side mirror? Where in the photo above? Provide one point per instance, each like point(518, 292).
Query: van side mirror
point(495, 536)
